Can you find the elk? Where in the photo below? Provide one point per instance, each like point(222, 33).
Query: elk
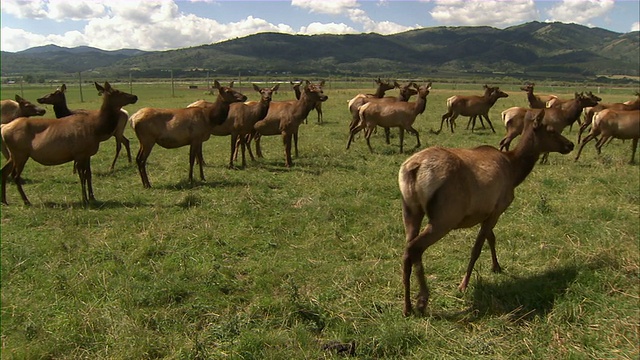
point(619, 124)
point(174, 128)
point(459, 188)
point(56, 141)
point(536, 101)
point(392, 114)
point(11, 110)
point(471, 106)
point(59, 101)
point(284, 118)
point(318, 107)
point(558, 117)
point(241, 119)
point(406, 91)
point(591, 111)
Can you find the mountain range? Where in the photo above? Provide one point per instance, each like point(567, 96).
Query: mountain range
point(535, 49)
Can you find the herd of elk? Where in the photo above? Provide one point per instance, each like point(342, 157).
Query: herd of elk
point(459, 188)
point(59, 101)
point(472, 106)
point(612, 123)
point(174, 128)
point(400, 114)
point(51, 141)
point(589, 112)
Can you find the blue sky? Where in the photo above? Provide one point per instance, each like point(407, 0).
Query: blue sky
point(169, 24)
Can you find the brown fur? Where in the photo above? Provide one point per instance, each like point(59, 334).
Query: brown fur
point(536, 101)
point(56, 141)
point(619, 124)
point(591, 111)
point(459, 188)
point(471, 106)
point(174, 128)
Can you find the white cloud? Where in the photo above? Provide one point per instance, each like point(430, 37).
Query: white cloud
point(74, 10)
point(333, 7)
point(579, 11)
point(480, 12)
point(635, 26)
point(25, 9)
point(330, 28)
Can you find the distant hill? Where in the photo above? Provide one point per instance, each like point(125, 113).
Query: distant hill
point(531, 49)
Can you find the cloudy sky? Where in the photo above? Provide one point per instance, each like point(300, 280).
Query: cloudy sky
point(173, 24)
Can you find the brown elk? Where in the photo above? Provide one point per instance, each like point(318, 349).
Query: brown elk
point(174, 128)
point(557, 117)
point(56, 141)
point(471, 106)
point(318, 107)
point(392, 114)
point(619, 124)
point(284, 118)
point(536, 101)
point(11, 110)
point(241, 119)
point(591, 111)
point(406, 91)
point(59, 101)
point(459, 188)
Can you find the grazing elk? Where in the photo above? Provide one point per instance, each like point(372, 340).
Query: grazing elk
point(471, 106)
point(619, 124)
point(174, 128)
point(399, 114)
point(406, 91)
point(591, 111)
point(60, 108)
point(536, 101)
point(558, 117)
point(318, 107)
point(284, 118)
point(56, 141)
point(459, 188)
point(241, 119)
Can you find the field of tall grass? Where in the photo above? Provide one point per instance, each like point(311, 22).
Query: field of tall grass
point(268, 262)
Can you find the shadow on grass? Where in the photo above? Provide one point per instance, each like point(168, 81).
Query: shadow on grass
point(97, 204)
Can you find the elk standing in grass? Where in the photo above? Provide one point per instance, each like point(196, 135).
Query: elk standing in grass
point(391, 114)
point(536, 101)
point(459, 188)
point(174, 128)
point(318, 106)
point(619, 124)
point(591, 111)
point(241, 119)
point(406, 91)
point(56, 141)
point(284, 118)
point(12, 110)
point(471, 106)
point(60, 108)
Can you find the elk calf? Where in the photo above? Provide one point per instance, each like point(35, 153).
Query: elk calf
point(459, 188)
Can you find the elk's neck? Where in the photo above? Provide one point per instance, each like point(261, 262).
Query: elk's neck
point(532, 98)
point(303, 107)
point(523, 157)
point(572, 111)
point(263, 109)
point(61, 110)
point(379, 93)
point(420, 105)
point(217, 113)
point(109, 116)
point(298, 93)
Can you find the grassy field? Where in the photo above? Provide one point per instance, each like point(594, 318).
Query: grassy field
point(276, 263)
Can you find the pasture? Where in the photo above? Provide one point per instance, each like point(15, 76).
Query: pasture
point(268, 262)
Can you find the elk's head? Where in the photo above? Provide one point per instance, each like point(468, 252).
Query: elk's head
point(54, 98)
point(29, 109)
point(314, 92)
point(228, 94)
point(266, 93)
point(547, 138)
point(116, 97)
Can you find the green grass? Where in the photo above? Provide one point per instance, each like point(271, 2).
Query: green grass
point(276, 263)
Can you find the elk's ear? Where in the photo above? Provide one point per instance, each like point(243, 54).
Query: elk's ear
point(429, 86)
point(99, 88)
point(322, 83)
point(275, 88)
point(216, 84)
point(19, 98)
point(395, 84)
point(256, 88)
point(63, 88)
point(231, 83)
point(485, 86)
